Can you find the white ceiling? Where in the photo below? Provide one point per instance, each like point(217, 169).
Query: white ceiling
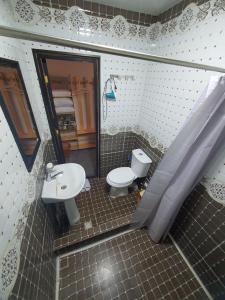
point(153, 7)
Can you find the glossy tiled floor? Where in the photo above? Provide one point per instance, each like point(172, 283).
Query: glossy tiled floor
point(128, 267)
point(104, 213)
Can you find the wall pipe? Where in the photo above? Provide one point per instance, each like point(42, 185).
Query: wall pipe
point(48, 39)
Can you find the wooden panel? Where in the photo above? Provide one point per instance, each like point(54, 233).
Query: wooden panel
point(68, 136)
point(15, 101)
point(85, 146)
point(82, 93)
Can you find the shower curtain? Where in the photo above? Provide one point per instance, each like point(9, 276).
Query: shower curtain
point(183, 165)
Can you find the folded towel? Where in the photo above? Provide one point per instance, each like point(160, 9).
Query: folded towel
point(61, 93)
point(64, 110)
point(62, 102)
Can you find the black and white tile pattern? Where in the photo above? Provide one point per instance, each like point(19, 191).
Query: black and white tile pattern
point(199, 231)
point(95, 18)
point(128, 267)
point(98, 209)
point(37, 267)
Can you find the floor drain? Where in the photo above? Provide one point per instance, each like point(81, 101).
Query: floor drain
point(88, 225)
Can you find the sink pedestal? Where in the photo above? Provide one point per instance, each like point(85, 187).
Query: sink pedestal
point(72, 211)
point(64, 187)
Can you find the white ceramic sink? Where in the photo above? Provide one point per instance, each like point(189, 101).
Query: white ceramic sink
point(64, 187)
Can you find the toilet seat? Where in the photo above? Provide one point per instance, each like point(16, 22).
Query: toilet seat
point(120, 177)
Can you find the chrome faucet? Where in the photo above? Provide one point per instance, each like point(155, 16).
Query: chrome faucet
point(53, 175)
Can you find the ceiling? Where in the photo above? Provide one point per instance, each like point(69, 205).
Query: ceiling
point(152, 7)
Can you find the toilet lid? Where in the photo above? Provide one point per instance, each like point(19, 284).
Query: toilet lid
point(121, 176)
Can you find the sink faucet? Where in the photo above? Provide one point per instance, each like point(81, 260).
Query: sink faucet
point(53, 175)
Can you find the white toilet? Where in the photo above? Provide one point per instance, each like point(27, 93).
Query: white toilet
point(120, 178)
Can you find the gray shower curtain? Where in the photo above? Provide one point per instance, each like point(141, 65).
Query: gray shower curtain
point(183, 165)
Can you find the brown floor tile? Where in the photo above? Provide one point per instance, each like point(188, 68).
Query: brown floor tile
point(105, 214)
point(130, 266)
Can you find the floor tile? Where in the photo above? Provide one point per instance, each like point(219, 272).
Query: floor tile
point(129, 267)
point(103, 212)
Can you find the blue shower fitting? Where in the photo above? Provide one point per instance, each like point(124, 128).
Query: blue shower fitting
point(110, 96)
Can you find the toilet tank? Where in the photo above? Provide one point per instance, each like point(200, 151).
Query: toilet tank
point(140, 163)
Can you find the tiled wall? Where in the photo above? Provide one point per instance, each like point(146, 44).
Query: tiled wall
point(37, 270)
point(124, 112)
point(17, 185)
point(199, 230)
point(164, 93)
point(175, 34)
point(172, 91)
point(16, 200)
point(171, 94)
point(115, 151)
point(197, 35)
point(100, 10)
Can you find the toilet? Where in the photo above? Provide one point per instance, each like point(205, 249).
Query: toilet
point(121, 178)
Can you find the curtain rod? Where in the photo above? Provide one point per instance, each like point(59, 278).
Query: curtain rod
point(36, 37)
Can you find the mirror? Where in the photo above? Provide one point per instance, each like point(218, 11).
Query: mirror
point(17, 110)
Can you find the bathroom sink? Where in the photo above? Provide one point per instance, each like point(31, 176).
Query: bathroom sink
point(64, 187)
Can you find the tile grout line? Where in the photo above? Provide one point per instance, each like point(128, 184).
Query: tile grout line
point(115, 236)
point(57, 279)
point(203, 259)
point(95, 243)
point(191, 268)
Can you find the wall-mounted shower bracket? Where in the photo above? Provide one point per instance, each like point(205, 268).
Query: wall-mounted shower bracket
point(120, 77)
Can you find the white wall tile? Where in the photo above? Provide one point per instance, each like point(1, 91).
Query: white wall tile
point(158, 100)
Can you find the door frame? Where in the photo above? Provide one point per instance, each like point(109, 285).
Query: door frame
point(40, 55)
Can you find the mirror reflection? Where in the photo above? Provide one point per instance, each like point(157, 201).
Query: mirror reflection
point(17, 109)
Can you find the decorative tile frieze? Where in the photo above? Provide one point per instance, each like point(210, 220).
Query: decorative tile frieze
point(93, 23)
point(186, 18)
point(105, 25)
point(218, 7)
point(10, 256)
point(154, 31)
point(31, 188)
point(216, 190)
point(142, 31)
point(20, 226)
point(45, 14)
point(132, 30)
point(59, 17)
point(76, 18)
point(164, 29)
point(119, 25)
point(203, 11)
point(25, 11)
point(172, 25)
point(9, 268)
